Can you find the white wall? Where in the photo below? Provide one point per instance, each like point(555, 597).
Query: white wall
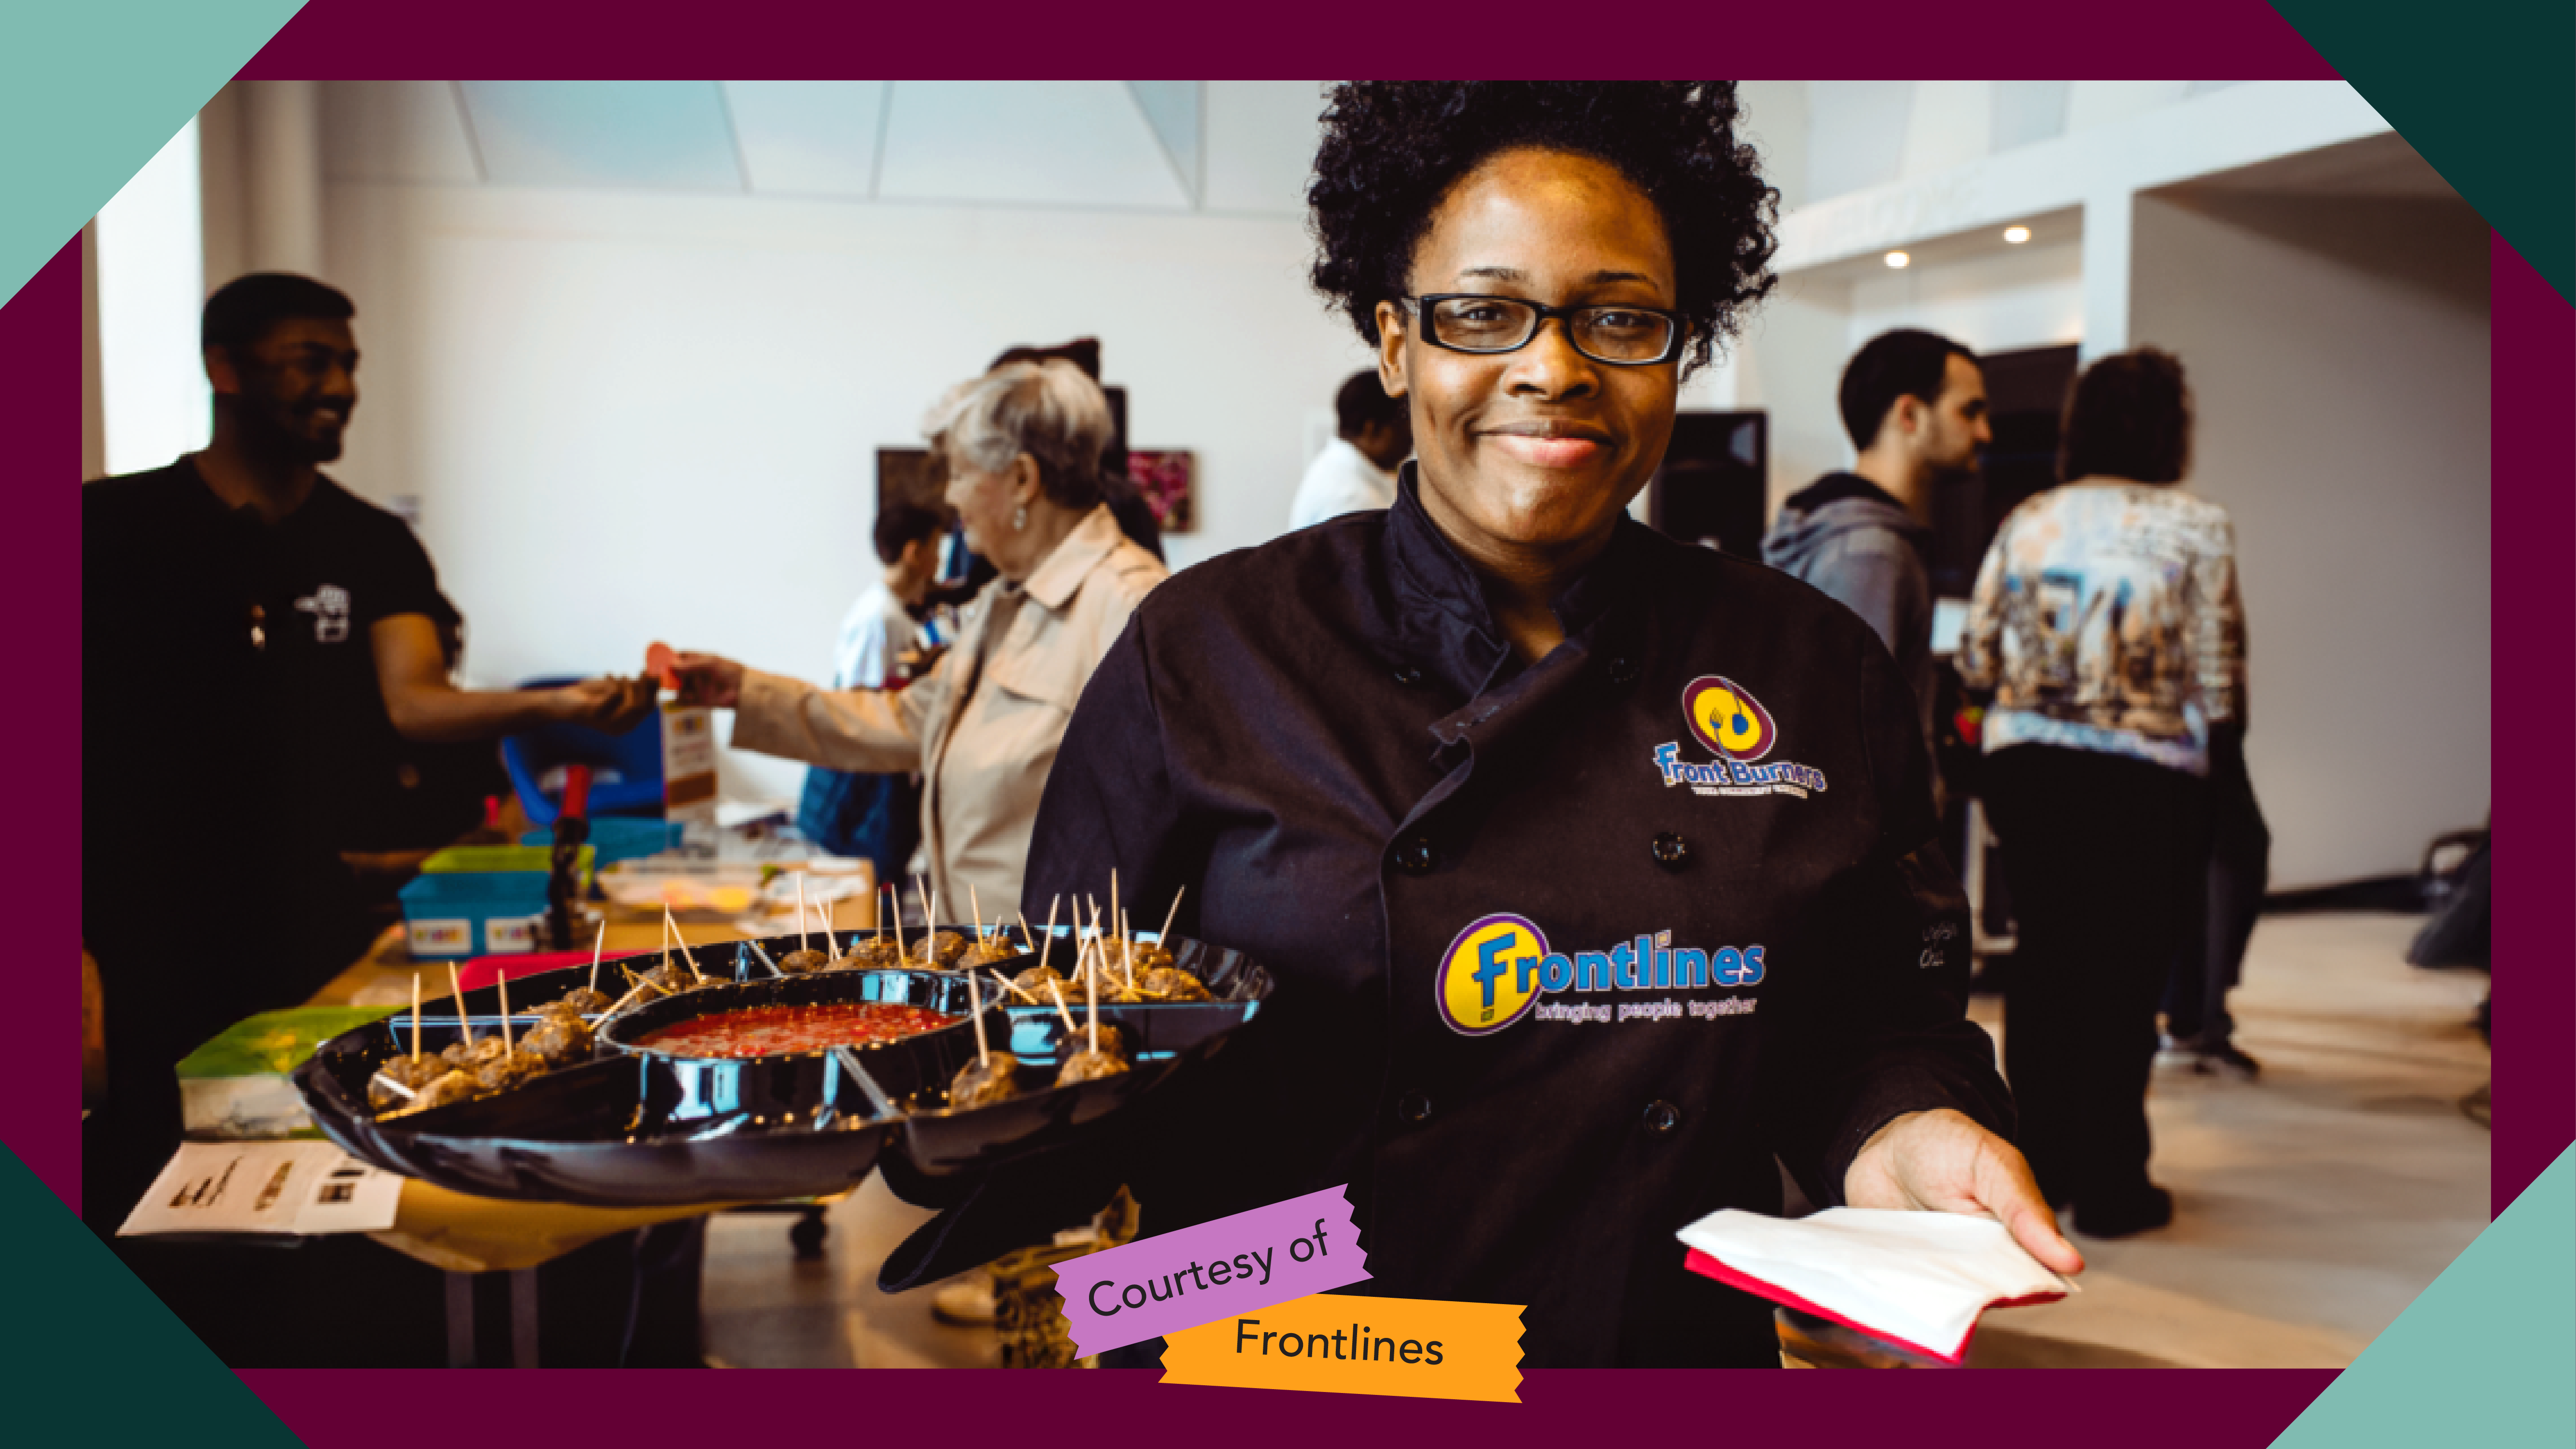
point(155, 403)
point(628, 417)
point(2338, 354)
point(1791, 358)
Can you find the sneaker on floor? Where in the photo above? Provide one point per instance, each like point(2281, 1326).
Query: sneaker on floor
point(2224, 1060)
point(968, 1301)
point(2124, 1216)
point(2174, 1056)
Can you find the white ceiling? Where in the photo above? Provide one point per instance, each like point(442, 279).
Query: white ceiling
point(1219, 146)
point(2379, 167)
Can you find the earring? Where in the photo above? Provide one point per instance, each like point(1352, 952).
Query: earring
point(1020, 519)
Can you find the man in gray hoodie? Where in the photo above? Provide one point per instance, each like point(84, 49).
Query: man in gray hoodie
point(1914, 403)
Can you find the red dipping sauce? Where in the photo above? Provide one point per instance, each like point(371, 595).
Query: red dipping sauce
point(762, 1031)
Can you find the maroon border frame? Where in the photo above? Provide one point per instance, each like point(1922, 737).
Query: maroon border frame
point(2535, 516)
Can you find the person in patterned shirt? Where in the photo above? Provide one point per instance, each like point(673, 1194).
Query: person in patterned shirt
point(2107, 628)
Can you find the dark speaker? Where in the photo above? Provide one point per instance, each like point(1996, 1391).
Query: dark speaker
point(1712, 481)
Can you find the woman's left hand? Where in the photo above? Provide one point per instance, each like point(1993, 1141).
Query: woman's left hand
point(1942, 1161)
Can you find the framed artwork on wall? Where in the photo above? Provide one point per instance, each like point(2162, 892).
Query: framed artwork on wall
point(1168, 477)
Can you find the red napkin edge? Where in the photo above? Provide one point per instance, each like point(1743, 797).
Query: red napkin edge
point(482, 971)
point(1706, 1266)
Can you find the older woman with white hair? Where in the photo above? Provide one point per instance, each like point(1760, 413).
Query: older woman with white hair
point(1022, 446)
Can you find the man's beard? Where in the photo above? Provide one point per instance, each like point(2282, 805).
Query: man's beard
point(283, 439)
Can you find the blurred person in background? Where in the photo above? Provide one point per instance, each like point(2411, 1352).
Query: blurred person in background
point(265, 690)
point(1356, 471)
point(2107, 625)
point(2237, 856)
point(877, 816)
point(1914, 403)
point(1135, 516)
point(1022, 447)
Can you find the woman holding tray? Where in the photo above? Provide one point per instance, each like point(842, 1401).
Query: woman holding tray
point(1596, 871)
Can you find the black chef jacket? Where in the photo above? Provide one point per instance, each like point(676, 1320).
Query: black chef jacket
point(1565, 953)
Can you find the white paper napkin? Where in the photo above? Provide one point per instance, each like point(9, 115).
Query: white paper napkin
point(1917, 1279)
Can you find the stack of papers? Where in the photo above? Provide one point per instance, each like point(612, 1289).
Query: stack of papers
point(1914, 1279)
point(285, 1188)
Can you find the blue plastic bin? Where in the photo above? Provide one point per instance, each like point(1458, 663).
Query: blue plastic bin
point(635, 759)
point(617, 838)
point(453, 915)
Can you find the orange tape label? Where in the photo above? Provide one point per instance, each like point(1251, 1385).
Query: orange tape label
point(1343, 1344)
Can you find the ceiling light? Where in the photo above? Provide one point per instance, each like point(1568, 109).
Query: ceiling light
point(2016, 235)
point(1898, 260)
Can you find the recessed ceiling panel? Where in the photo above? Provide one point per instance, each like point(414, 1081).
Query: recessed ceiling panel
point(1172, 109)
point(1064, 143)
point(808, 137)
point(2028, 111)
point(396, 131)
point(1261, 139)
point(665, 134)
point(1855, 135)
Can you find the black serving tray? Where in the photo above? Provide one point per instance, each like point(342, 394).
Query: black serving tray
point(641, 1128)
point(1161, 1039)
point(638, 1127)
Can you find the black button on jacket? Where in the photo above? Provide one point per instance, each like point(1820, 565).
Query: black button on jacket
point(1456, 883)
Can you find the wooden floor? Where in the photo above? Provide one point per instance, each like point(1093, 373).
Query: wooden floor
point(2314, 1204)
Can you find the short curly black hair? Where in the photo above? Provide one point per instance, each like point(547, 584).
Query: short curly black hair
point(1392, 150)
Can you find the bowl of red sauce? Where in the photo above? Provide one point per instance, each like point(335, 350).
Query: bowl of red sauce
point(778, 1030)
point(786, 1048)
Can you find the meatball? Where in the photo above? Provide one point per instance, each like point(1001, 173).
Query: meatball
point(472, 1057)
point(984, 1081)
point(940, 951)
point(799, 963)
point(398, 1082)
point(558, 1041)
point(508, 1069)
point(444, 1091)
point(586, 1001)
point(1037, 979)
point(875, 953)
point(1170, 983)
point(671, 978)
point(994, 950)
point(1091, 1066)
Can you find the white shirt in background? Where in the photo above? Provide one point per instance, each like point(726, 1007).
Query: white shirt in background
point(1340, 480)
point(873, 634)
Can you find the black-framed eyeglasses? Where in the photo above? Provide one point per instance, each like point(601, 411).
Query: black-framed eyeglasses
point(1619, 333)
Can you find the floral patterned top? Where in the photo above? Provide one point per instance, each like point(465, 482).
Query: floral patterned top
point(2106, 617)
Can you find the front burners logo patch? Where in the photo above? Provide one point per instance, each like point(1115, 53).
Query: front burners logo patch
point(1726, 717)
point(1732, 725)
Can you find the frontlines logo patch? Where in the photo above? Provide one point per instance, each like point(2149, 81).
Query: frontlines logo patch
point(1490, 975)
point(1499, 968)
point(1725, 717)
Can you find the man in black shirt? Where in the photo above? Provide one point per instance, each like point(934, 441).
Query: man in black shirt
point(261, 657)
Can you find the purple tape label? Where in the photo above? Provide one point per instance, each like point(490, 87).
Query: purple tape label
point(1241, 1264)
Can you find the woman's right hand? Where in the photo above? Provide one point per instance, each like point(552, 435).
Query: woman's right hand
point(710, 680)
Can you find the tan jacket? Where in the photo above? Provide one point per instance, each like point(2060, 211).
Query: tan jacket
point(983, 725)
